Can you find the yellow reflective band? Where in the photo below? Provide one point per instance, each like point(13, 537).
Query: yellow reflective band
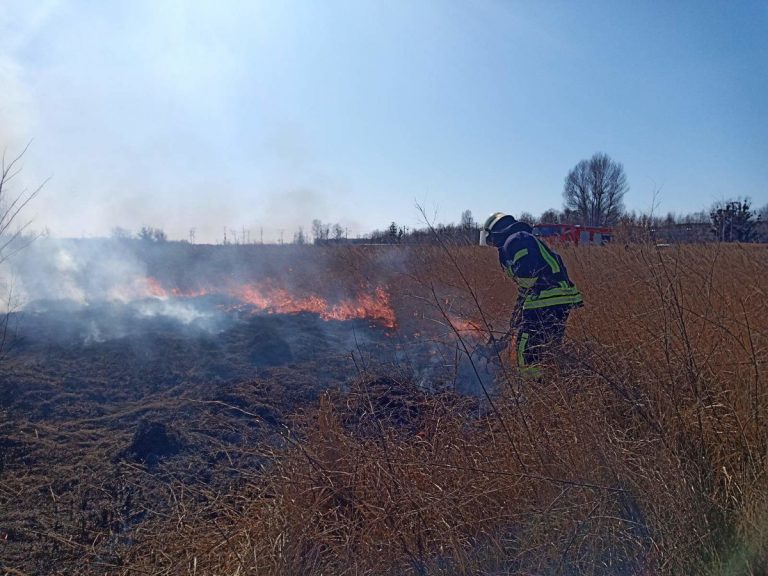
point(553, 297)
point(519, 254)
point(548, 257)
point(556, 301)
point(551, 292)
point(521, 349)
point(526, 283)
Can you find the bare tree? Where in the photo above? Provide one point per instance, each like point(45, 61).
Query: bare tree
point(569, 216)
point(550, 216)
point(467, 221)
point(317, 230)
point(733, 221)
point(12, 238)
point(11, 207)
point(150, 234)
point(320, 231)
point(700, 217)
point(527, 217)
point(594, 189)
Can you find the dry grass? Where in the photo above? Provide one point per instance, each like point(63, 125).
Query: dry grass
point(641, 451)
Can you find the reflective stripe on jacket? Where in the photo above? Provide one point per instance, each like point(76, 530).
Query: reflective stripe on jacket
point(540, 274)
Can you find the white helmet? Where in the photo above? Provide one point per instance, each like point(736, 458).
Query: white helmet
point(494, 223)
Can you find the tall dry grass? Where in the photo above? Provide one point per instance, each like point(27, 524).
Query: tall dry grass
point(642, 450)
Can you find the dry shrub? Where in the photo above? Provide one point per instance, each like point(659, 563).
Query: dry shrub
point(641, 450)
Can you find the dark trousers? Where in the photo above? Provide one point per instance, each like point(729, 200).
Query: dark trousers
point(539, 333)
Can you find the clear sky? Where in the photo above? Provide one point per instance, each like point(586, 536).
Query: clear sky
point(245, 114)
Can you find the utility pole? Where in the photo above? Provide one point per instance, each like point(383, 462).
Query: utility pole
point(281, 235)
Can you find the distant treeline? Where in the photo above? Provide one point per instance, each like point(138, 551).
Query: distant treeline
point(731, 221)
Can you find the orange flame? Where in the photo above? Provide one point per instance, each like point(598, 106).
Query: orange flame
point(373, 305)
point(155, 289)
point(464, 325)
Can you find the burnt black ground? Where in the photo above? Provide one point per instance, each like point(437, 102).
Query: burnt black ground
point(102, 409)
point(108, 409)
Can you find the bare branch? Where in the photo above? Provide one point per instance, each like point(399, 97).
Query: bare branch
point(11, 209)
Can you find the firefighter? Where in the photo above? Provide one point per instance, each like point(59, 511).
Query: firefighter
point(546, 294)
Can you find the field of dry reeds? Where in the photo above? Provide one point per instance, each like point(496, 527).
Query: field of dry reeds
point(643, 449)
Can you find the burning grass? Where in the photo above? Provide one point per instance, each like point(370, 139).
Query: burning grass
point(370, 303)
point(641, 451)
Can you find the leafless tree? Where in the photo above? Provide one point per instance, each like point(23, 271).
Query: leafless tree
point(550, 216)
point(12, 226)
point(733, 221)
point(527, 217)
point(150, 234)
point(467, 221)
point(594, 189)
point(12, 205)
point(320, 231)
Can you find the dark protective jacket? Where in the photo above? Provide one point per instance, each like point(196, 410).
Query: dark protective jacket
point(540, 274)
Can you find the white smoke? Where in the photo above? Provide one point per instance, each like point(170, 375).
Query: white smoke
point(62, 274)
point(75, 271)
point(184, 312)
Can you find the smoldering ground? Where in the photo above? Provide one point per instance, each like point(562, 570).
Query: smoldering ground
point(224, 312)
point(270, 303)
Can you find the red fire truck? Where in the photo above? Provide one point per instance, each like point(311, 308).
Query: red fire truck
point(574, 234)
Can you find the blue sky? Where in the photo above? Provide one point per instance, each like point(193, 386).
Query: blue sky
point(266, 115)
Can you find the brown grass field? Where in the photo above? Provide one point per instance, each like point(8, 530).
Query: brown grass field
point(642, 450)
